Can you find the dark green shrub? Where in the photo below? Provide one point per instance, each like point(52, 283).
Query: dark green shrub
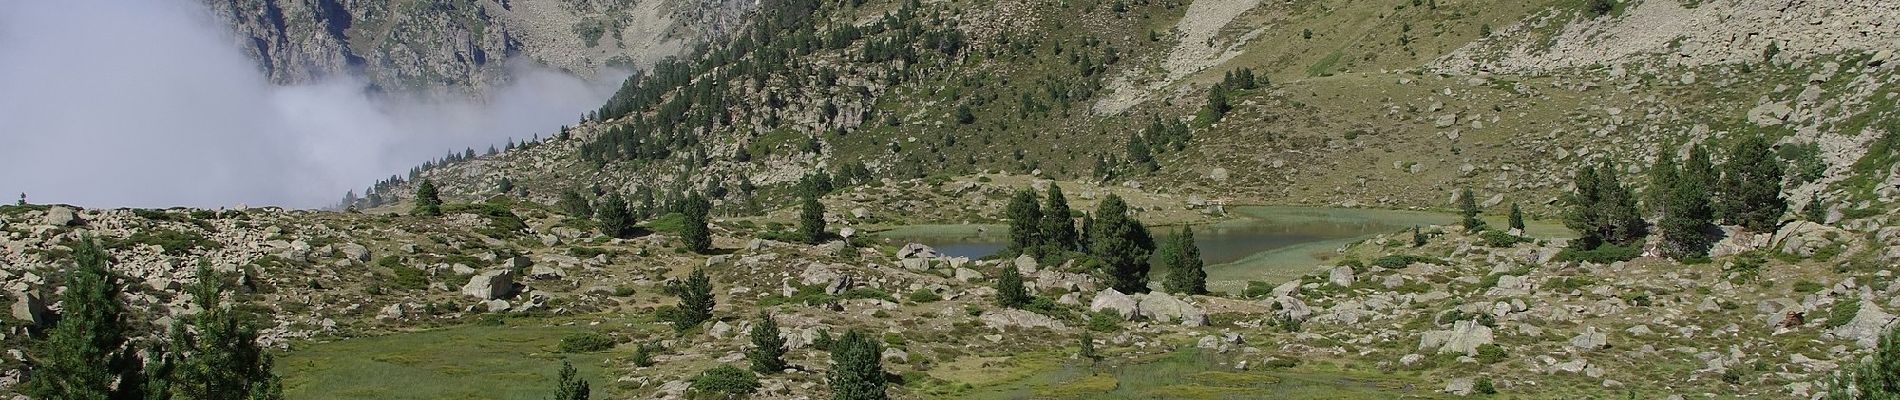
point(726, 381)
point(585, 342)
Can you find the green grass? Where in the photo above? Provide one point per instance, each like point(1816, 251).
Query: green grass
point(1192, 374)
point(464, 362)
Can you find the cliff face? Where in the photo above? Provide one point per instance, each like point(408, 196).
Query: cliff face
point(461, 45)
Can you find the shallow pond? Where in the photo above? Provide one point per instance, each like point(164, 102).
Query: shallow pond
point(1264, 243)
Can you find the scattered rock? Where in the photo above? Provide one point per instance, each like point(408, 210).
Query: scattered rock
point(490, 285)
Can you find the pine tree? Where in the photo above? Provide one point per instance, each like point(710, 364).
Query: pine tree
point(1057, 228)
point(1025, 216)
point(696, 300)
point(85, 352)
point(857, 370)
point(695, 233)
point(222, 359)
point(768, 349)
point(1418, 237)
point(505, 185)
point(569, 386)
point(1122, 245)
point(811, 219)
point(1517, 218)
point(1751, 181)
point(614, 217)
point(1687, 214)
point(1009, 288)
point(1468, 206)
point(1876, 378)
point(1140, 155)
point(428, 202)
point(574, 205)
point(1603, 210)
point(1182, 258)
point(1662, 177)
point(1087, 349)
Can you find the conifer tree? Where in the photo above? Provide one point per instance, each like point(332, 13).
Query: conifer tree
point(1140, 155)
point(569, 385)
point(221, 358)
point(1603, 210)
point(857, 370)
point(696, 233)
point(1057, 228)
point(1751, 182)
point(1662, 178)
point(1122, 245)
point(1468, 207)
point(1687, 213)
point(1025, 218)
point(811, 219)
point(574, 204)
point(614, 217)
point(1182, 258)
point(768, 349)
point(696, 300)
point(1517, 218)
point(1418, 236)
point(1009, 288)
point(1087, 350)
point(428, 202)
point(1875, 378)
point(85, 352)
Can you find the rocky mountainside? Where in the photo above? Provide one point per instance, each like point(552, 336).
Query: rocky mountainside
point(910, 112)
point(456, 45)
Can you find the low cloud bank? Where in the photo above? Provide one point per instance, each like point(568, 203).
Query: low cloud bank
point(147, 103)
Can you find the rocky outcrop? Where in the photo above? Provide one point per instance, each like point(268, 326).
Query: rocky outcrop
point(1866, 327)
point(1014, 318)
point(449, 45)
point(1463, 337)
point(490, 285)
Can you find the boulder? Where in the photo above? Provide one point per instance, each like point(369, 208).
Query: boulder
point(1591, 339)
point(916, 250)
point(1866, 327)
point(1110, 299)
point(967, 275)
point(354, 252)
point(1803, 238)
point(546, 272)
point(490, 285)
point(1014, 318)
point(1162, 307)
point(1292, 308)
point(496, 305)
point(914, 264)
point(394, 311)
point(1052, 279)
point(59, 216)
point(1290, 288)
point(1341, 276)
point(1459, 387)
point(28, 307)
point(1026, 264)
point(1463, 337)
point(816, 274)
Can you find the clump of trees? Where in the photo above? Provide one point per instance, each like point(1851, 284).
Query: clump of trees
point(1876, 378)
point(88, 353)
point(1120, 245)
point(1041, 230)
point(1604, 214)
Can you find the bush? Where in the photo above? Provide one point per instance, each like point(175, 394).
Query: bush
point(1105, 321)
point(1842, 312)
point(925, 296)
point(1257, 290)
point(585, 342)
point(643, 355)
point(1806, 286)
point(1602, 7)
point(1501, 239)
point(1398, 261)
point(1604, 254)
point(1491, 353)
point(727, 380)
point(1484, 386)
